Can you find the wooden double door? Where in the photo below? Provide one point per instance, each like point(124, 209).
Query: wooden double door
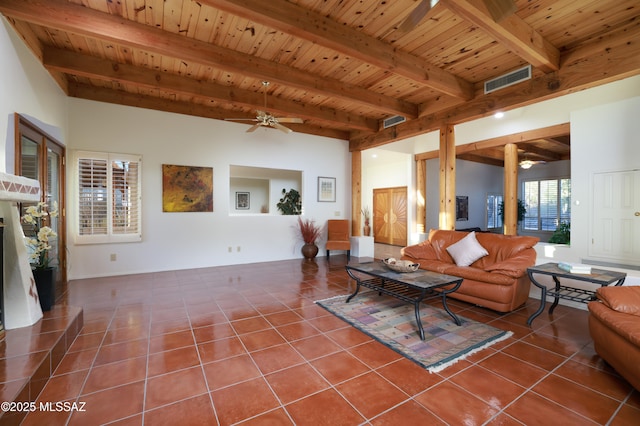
point(390, 216)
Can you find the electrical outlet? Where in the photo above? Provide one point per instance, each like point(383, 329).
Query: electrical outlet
point(336, 214)
point(238, 249)
point(230, 249)
point(112, 257)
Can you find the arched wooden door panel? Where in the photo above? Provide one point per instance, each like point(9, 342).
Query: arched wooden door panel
point(390, 216)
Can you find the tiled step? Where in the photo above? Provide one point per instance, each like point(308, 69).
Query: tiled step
point(30, 355)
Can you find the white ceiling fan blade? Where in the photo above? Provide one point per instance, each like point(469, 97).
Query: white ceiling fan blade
point(416, 15)
point(280, 127)
point(254, 127)
point(289, 120)
point(500, 9)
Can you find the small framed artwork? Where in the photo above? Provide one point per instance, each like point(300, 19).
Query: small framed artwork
point(242, 200)
point(462, 208)
point(326, 189)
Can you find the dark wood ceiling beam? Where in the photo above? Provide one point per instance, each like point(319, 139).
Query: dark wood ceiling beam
point(615, 59)
point(481, 159)
point(512, 32)
point(474, 149)
point(91, 67)
point(308, 25)
point(65, 16)
point(529, 148)
point(83, 91)
point(562, 142)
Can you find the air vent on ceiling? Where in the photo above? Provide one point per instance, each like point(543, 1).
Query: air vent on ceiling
point(508, 79)
point(393, 121)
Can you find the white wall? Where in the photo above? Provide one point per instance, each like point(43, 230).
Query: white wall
point(25, 88)
point(190, 240)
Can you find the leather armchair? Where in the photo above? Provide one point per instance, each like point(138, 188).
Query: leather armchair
point(614, 324)
point(338, 236)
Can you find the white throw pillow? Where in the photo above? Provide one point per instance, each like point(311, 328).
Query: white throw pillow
point(467, 250)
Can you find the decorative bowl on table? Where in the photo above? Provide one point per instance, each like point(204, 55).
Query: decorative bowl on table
point(400, 265)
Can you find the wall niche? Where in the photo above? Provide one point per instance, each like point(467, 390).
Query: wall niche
point(257, 190)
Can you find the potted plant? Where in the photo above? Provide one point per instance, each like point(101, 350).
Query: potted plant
point(309, 233)
point(38, 242)
point(290, 203)
point(522, 210)
point(367, 217)
point(562, 234)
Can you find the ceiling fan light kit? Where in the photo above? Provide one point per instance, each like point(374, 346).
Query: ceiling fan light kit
point(265, 119)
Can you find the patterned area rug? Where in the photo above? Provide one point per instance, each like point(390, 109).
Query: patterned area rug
point(393, 323)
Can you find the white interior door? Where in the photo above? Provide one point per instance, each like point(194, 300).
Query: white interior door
point(615, 234)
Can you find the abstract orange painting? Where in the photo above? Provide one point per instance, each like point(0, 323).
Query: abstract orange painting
point(187, 188)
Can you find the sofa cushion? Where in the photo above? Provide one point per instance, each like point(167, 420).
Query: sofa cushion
point(625, 299)
point(467, 250)
point(475, 274)
point(423, 250)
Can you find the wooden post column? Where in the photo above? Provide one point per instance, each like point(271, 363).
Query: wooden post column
point(421, 191)
point(356, 193)
point(447, 213)
point(510, 189)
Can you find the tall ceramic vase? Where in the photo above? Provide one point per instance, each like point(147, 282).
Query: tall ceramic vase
point(45, 283)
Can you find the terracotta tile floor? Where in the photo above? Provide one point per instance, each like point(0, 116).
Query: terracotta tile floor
point(247, 345)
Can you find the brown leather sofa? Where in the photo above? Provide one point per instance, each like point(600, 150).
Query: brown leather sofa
point(614, 324)
point(498, 280)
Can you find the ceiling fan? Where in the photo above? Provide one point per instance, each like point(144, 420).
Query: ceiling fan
point(499, 9)
point(527, 163)
point(265, 119)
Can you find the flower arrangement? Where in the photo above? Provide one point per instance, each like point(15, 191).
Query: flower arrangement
point(308, 230)
point(39, 241)
point(367, 215)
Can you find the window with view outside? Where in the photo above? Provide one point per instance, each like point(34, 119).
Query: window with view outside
point(109, 195)
point(494, 219)
point(548, 203)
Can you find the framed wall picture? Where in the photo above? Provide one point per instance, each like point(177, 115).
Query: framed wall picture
point(242, 200)
point(326, 189)
point(187, 188)
point(462, 208)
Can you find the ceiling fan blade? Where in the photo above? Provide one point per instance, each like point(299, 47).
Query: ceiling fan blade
point(500, 9)
point(289, 120)
point(240, 119)
point(281, 127)
point(416, 15)
point(254, 127)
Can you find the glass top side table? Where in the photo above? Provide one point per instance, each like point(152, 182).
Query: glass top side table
point(599, 277)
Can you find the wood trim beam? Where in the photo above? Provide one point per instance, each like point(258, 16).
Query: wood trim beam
point(301, 22)
point(356, 193)
point(95, 68)
point(447, 212)
point(545, 132)
point(65, 16)
point(83, 91)
point(421, 196)
point(602, 62)
point(511, 32)
point(511, 189)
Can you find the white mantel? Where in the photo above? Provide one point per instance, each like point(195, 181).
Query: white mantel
point(21, 304)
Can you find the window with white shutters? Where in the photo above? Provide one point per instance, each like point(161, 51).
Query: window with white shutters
point(109, 197)
point(548, 203)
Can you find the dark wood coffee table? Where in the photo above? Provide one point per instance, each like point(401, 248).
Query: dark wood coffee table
point(410, 287)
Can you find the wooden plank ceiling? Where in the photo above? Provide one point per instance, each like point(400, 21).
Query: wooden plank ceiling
point(340, 65)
